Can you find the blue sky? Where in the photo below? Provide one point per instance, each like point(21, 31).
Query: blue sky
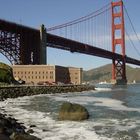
point(54, 12)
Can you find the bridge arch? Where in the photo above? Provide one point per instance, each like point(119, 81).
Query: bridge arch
point(4, 59)
point(12, 56)
point(10, 46)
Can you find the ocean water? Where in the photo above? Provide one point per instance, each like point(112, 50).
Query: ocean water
point(114, 114)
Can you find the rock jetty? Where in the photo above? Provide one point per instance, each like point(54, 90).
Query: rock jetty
point(20, 91)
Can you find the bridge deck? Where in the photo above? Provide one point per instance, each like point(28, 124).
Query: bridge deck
point(74, 46)
point(63, 43)
point(14, 27)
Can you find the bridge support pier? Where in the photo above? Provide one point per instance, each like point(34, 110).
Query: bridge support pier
point(119, 77)
point(43, 47)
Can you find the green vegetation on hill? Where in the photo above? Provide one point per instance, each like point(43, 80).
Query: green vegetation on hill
point(6, 74)
point(104, 74)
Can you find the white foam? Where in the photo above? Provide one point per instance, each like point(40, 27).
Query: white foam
point(97, 101)
point(103, 89)
point(48, 128)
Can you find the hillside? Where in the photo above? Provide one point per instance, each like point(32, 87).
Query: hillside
point(6, 74)
point(104, 74)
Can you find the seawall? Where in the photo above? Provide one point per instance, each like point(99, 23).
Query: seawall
point(20, 91)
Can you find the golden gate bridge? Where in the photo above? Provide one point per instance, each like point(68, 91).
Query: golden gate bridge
point(101, 33)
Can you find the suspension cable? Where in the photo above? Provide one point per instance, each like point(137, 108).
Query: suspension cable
point(84, 18)
point(128, 34)
point(138, 52)
point(131, 23)
point(132, 43)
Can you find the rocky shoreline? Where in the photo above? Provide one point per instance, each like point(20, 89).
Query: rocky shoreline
point(10, 129)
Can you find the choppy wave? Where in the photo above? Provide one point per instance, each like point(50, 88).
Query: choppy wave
point(46, 127)
point(102, 89)
point(106, 102)
point(49, 128)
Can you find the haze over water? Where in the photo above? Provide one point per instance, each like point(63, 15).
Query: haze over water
point(114, 114)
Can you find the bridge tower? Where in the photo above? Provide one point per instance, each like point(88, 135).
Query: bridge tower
point(118, 43)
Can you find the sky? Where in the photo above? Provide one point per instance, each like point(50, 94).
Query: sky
point(33, 13)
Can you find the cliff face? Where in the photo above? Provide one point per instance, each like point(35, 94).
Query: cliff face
point(6, 74)
point(104, 74)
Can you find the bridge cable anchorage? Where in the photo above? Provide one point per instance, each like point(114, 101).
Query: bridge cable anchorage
point(138, 52)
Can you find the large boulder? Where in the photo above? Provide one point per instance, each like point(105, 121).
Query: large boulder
point(74, 112)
